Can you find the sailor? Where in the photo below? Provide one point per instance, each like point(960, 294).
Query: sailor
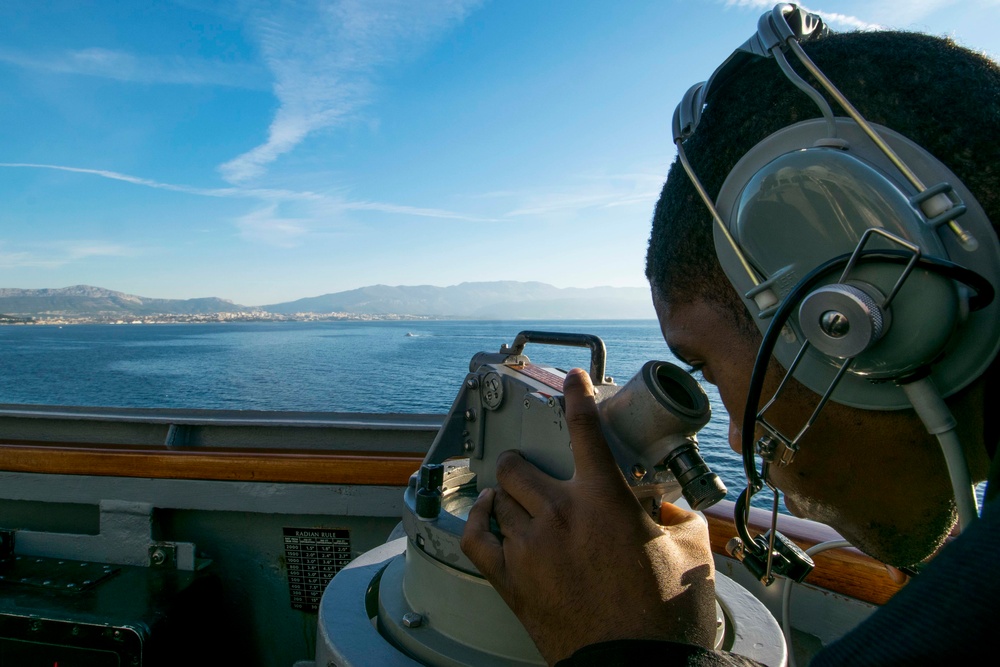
point(594, 580)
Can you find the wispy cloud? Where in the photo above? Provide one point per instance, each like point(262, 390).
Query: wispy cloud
point(267, 225)
point(569, 202)
point(270, 223)
point(123, 66)
point(60, 253)
point(324, 59)
point(596, 192)
point(237, 192)
point(835, 19)
point(413, 210)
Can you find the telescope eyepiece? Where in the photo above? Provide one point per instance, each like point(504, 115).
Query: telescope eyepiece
point(701, 487)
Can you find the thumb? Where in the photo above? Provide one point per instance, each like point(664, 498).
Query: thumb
point(672, 515)
point(479, 543)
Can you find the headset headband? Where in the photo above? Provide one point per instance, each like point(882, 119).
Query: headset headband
point(774, 29)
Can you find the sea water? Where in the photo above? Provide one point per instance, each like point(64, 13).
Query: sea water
point(345, 366)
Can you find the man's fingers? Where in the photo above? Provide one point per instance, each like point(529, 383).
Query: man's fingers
point(529, 486)
point(590, 450)
point(479, 543)
point(511, 517)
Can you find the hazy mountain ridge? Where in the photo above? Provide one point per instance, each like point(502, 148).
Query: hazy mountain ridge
point(470, 300)
point(85, 300)
point(481, 300)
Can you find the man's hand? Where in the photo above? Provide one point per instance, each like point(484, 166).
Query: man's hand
point(579, 561)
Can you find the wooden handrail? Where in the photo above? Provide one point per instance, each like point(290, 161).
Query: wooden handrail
point(846, 571)
point(247, 465)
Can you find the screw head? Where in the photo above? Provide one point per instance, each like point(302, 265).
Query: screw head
point(736, 549)
point(472, 383)
point(412, 619)
point(158, 557)
point(834, 324)
point(468, 446)
point(638, 471)
point(470, 415)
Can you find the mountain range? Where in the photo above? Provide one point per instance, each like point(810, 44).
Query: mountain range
point(87, 301)
point(472, 300)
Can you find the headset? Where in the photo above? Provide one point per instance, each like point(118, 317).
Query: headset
point(869, 267)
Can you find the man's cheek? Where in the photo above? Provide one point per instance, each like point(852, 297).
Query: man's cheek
point(735, 436)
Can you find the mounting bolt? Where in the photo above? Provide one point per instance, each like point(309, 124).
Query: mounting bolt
point(469, 446)
point(157, 557)
point(470, 415)
point(412, 619)
point(638, 471)
point(472, 383)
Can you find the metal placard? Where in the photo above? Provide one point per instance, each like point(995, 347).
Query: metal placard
point(313, 556)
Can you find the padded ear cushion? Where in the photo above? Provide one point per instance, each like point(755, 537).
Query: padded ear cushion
point(797, 200)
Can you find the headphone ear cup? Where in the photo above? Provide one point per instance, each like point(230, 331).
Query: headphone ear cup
point(797, 200)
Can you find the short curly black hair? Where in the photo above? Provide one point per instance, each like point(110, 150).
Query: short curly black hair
point(940, 95)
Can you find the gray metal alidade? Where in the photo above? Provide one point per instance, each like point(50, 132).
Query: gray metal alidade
point(418, 600)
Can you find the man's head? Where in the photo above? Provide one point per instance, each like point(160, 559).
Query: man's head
point(940, 96)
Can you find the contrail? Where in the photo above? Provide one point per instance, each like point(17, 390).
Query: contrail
point(269, 194)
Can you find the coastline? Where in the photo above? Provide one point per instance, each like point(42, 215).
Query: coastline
point(210, 318)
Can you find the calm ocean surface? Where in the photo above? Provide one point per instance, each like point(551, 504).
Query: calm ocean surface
point(310, 366)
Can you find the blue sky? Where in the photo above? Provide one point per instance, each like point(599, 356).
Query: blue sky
point(266, 151)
